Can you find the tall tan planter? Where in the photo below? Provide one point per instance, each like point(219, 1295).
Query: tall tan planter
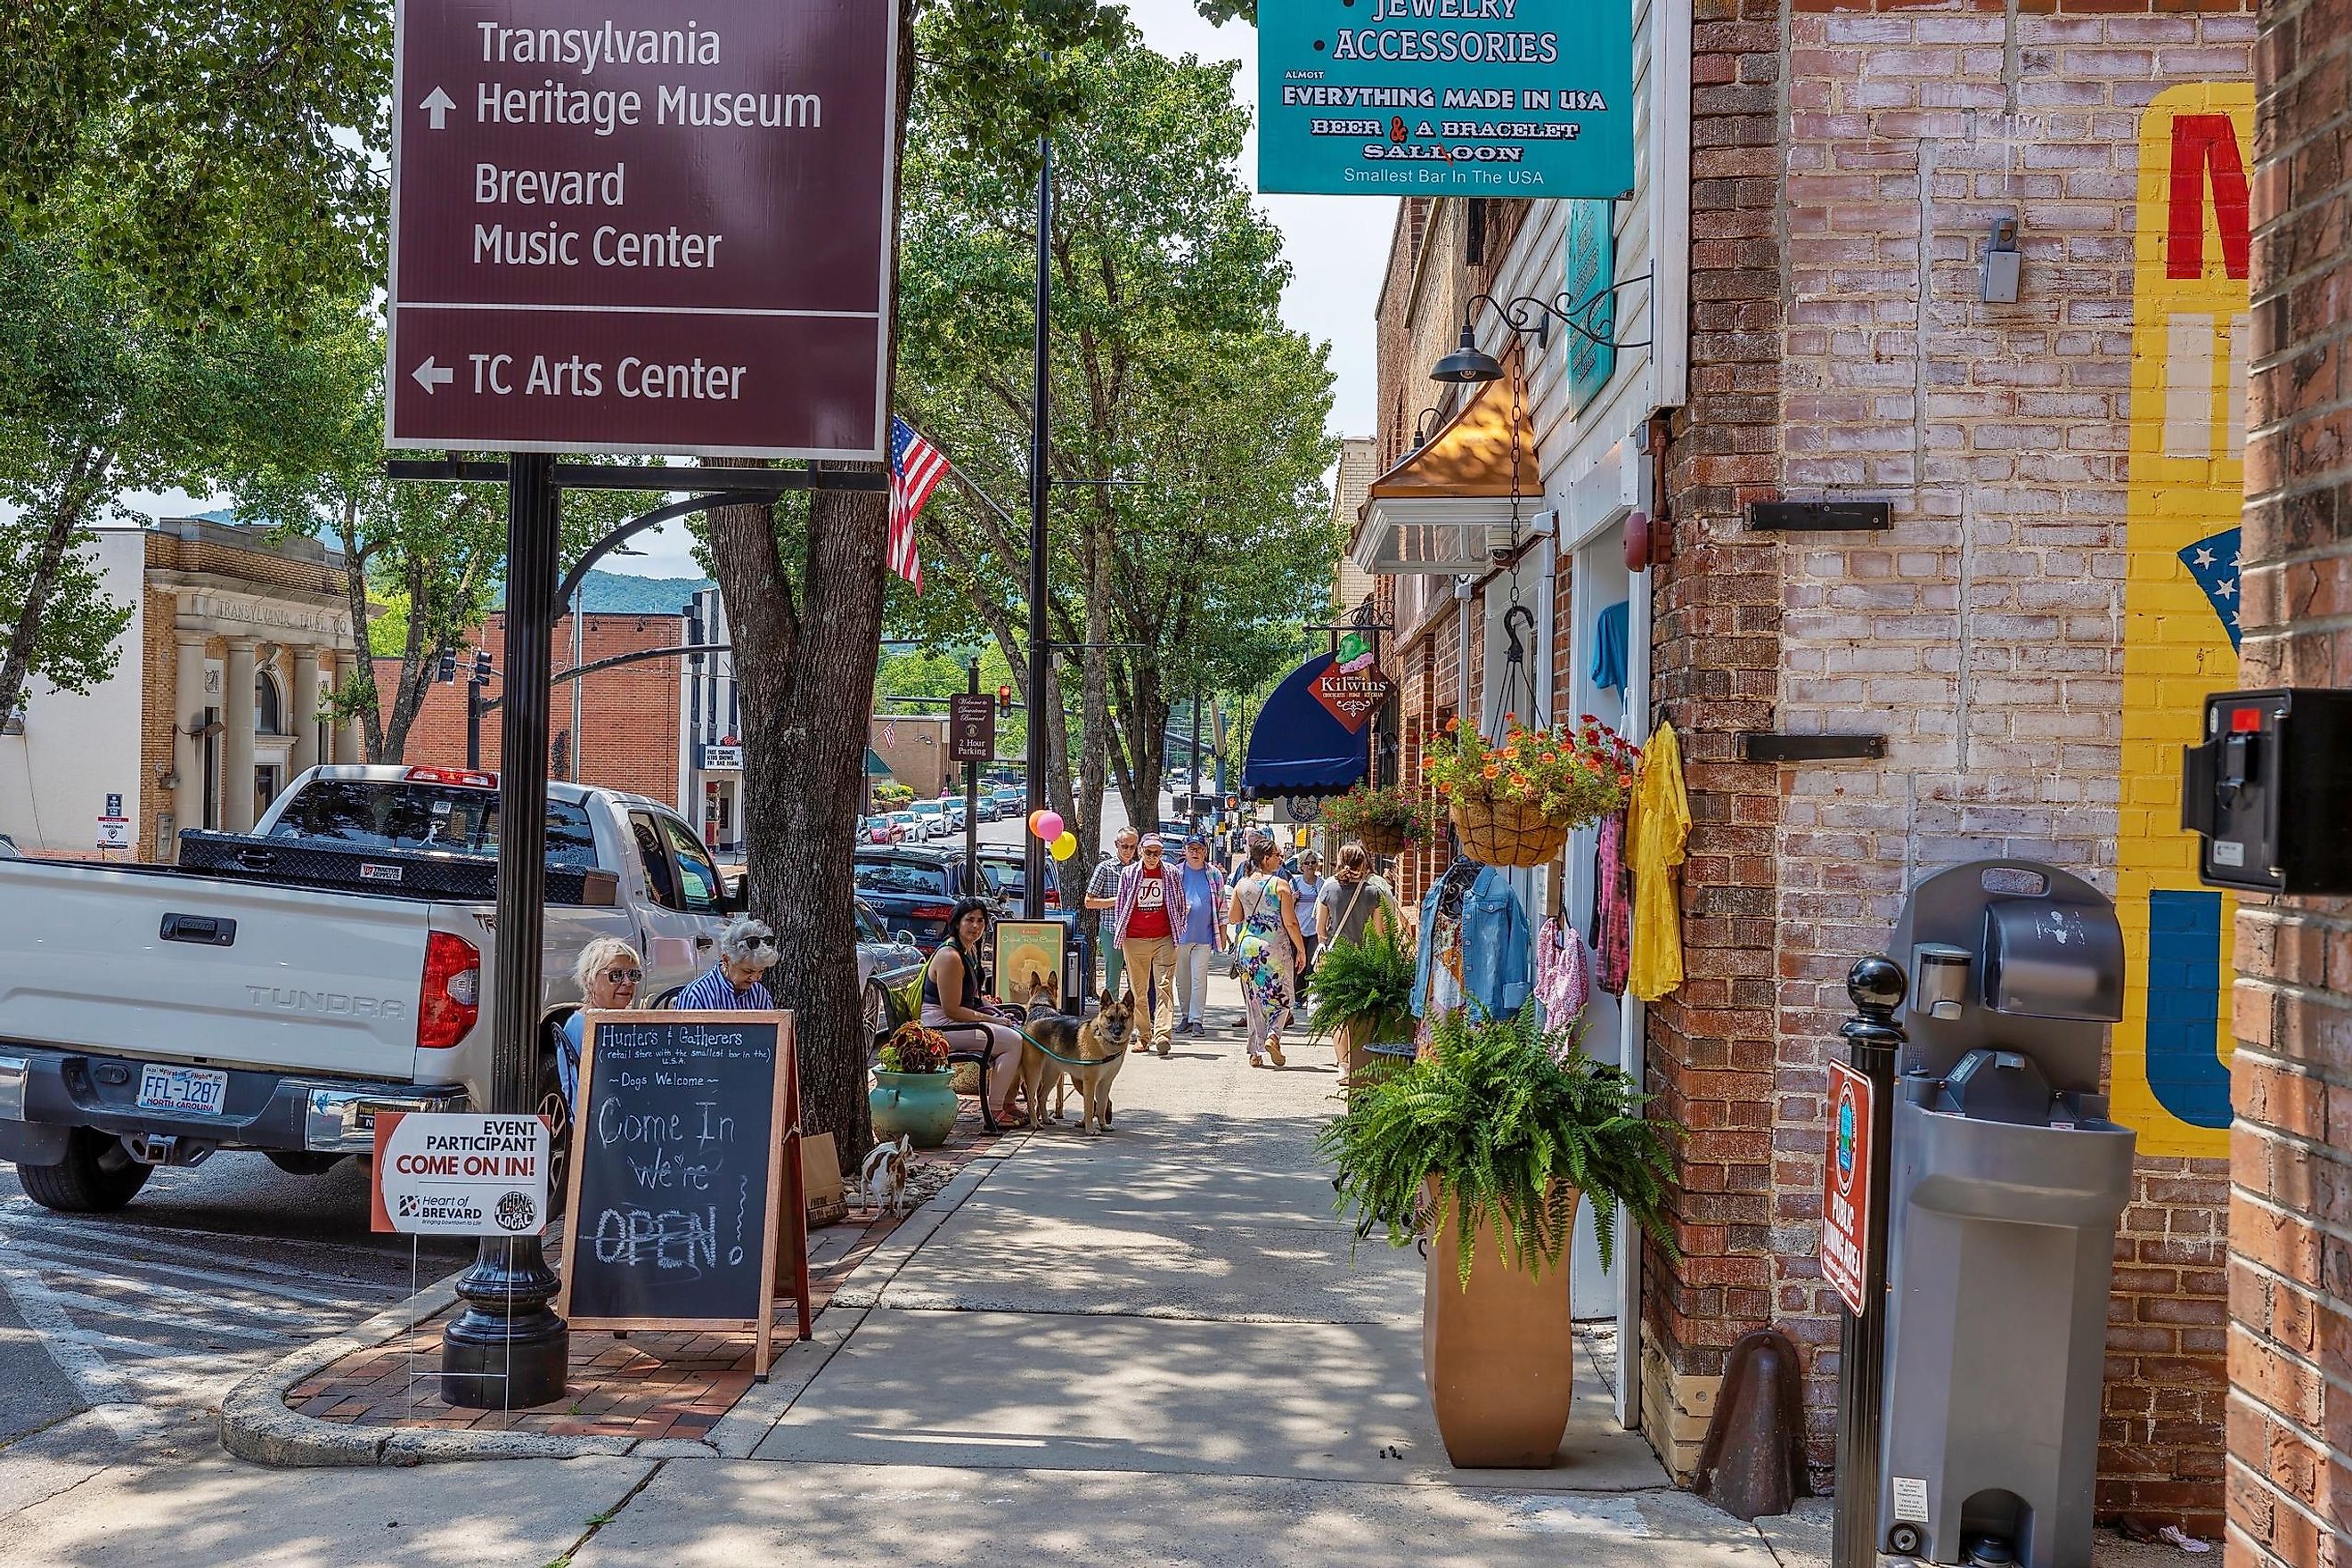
point(1500, 1356)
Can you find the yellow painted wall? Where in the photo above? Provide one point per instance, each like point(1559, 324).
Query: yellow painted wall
point(2186, 485)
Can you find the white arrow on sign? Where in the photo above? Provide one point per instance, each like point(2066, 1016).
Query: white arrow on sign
point(437, 104)
point(430, 376)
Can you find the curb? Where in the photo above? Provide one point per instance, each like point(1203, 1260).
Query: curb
point(256, 1425)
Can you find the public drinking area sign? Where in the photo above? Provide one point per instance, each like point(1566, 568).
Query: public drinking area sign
point(641, 232)
point(1506, 98)
point(1845, 1188)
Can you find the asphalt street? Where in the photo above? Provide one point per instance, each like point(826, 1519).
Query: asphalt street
point(156, 1310)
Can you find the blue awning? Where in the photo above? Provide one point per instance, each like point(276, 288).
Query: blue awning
point(1297, 746)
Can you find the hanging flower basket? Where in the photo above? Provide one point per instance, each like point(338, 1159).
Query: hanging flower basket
point(1508, 832)
point(1515, 802)
point(1383, 820)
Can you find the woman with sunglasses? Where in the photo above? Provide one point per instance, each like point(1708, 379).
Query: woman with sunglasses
point(608, 973)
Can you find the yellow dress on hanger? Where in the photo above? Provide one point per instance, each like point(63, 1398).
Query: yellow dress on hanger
point(1657, 827)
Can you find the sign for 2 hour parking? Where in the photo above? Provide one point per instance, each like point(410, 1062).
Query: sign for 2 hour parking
point(630, 229)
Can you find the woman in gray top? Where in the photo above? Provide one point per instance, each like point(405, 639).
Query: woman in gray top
point(1354, 899)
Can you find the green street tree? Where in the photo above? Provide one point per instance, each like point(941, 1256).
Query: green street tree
point(432, 554)
point(233, 148)
point(804, 585)
point(100, 394)
point(1170, 369)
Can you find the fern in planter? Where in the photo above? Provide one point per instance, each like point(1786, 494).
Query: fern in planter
point(1504, 1127)
point(1371, 979)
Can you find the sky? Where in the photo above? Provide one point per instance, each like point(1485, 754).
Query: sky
point(1336, 247)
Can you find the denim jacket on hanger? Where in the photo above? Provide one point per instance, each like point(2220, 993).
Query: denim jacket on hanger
point(1497, 955)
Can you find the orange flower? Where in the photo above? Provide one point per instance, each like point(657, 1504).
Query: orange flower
point(1451, 725)
point(1511, 751)
point(1492, 770)
point(1551, 756)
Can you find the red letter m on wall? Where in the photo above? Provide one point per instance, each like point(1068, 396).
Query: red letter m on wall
point(2203, 144)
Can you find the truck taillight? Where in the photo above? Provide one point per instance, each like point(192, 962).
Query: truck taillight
point(459, 777)
point(449, 998)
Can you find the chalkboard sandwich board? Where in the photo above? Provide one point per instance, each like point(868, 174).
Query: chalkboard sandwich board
point(686, 1126)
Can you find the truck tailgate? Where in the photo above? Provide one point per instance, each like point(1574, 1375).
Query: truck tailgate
point(302, 980)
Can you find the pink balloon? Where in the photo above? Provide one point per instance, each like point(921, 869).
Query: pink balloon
point(1049, 825)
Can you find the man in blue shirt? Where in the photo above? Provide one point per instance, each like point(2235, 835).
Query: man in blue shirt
point(1203, 933)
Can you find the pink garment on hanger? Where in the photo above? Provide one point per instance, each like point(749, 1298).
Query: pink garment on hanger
point(1613, 911)
point(1563, 972)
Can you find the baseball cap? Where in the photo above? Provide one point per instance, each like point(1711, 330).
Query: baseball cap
point(1149, 841)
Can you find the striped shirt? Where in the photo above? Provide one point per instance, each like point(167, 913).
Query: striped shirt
point(714, 993)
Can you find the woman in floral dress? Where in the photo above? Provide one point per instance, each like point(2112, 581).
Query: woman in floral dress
point(1263, 912)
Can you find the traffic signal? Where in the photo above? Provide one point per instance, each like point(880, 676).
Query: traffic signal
point(449, 665)
point(481, 667)
point(1005, 699)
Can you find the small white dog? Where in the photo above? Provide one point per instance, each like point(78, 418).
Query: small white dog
point(882, 1179)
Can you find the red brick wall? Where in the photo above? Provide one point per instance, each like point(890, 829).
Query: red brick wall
point(630, 714)
point(2290, 1263)
point(1714, 657)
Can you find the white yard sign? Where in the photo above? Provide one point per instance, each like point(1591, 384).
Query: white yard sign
point(460, 1173)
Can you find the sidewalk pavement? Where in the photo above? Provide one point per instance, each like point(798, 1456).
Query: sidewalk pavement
point(1153, 1347)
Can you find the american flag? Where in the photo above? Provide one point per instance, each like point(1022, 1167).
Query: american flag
point(2213, 563)
point(915, 470)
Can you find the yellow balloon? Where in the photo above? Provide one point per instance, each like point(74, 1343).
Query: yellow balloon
point(1066, 846)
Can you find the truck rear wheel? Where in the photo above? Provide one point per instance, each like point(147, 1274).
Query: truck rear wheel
point(98, 1175)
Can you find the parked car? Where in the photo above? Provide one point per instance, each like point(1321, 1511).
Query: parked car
point(933, 815)
point(273, 991)
point(1007, 875)
point(910, 825)
point(879, 830)
point(889, 974)
point(911, 887)
point(986, 807)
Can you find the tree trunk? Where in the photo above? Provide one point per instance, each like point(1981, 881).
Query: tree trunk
point(25, 636)
point(355, 596)
point(804, 760)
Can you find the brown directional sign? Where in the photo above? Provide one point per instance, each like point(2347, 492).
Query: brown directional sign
point(659, 228)
point(971, 728)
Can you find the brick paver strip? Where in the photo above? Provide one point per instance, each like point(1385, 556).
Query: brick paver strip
point(645, 1385)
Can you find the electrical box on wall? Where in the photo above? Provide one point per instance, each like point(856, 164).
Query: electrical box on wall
point(2270, 791)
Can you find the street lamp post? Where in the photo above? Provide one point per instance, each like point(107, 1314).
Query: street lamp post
point(508, 1350)
point(1035, 865)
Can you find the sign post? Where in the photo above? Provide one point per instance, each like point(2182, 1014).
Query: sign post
point(1861, 1114)
point(971, 740)
point(667, 239)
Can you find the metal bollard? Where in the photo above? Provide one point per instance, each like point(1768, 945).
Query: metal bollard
point(1874, 1039)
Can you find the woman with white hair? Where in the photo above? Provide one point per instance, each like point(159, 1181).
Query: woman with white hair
point(607, 971)
point(747, 950)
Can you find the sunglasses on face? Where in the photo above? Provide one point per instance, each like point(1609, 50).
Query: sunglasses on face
point(624, 976)
point(1152, 853)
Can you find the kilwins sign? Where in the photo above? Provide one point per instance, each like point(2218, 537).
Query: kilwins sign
point(1353, 696)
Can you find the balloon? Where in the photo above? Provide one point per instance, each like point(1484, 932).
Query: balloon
point(1064, 845)
point(1048, 825)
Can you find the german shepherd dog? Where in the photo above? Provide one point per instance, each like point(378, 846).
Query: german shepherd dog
point(1096, 1047)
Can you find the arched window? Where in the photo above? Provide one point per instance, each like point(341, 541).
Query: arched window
point(267, 719)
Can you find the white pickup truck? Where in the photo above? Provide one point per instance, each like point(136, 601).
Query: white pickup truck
point(273, 991)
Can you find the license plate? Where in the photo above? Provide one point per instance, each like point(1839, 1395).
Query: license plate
point(199, 1090)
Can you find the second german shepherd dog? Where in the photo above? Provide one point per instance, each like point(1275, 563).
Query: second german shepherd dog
point(1094, 1050)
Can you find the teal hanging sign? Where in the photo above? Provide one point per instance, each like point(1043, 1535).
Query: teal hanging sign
point(1590, 267)
point(1386, 98)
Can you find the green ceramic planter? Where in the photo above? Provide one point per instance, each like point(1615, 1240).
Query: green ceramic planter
point(922, 1105)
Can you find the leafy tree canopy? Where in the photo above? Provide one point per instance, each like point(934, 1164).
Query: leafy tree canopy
point(233, 149)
